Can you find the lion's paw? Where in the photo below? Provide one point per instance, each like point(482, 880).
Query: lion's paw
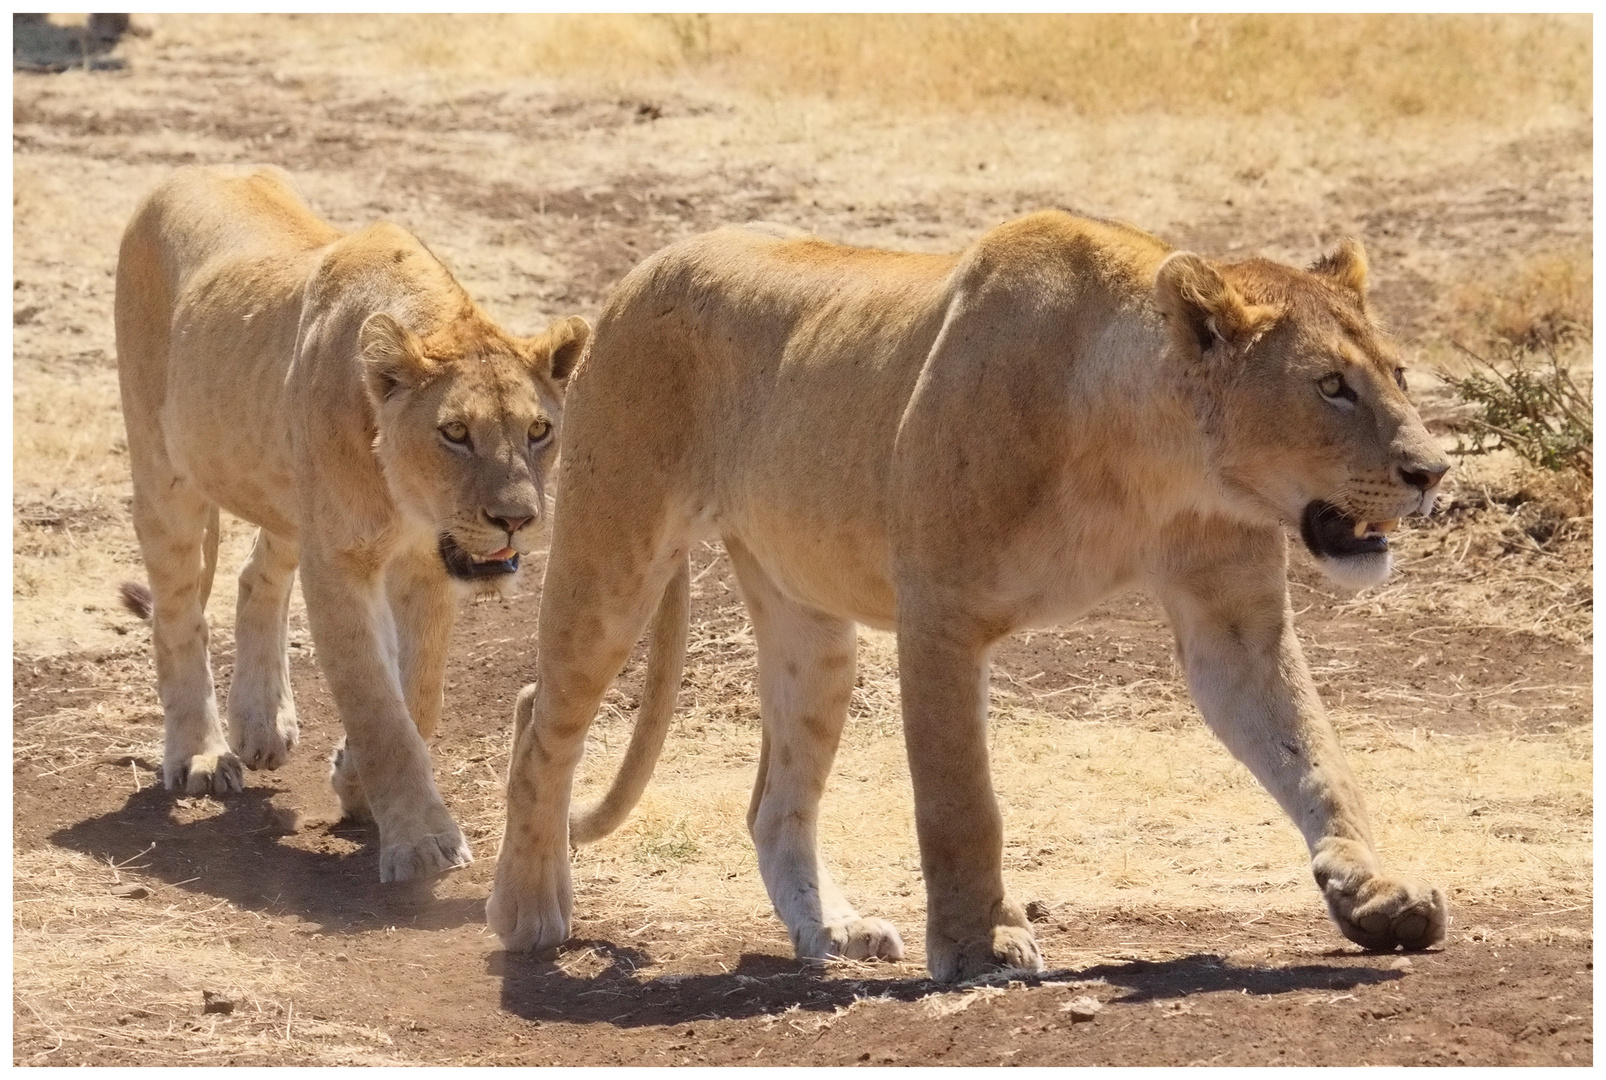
point(530, 903)
point(1385, 914)
point(263, 743)
point(216, 773)
point(348, 787)
point(1006, 948)
point(851, 939)
point(424, 857)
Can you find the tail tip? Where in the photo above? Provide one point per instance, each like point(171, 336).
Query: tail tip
point(136, 598)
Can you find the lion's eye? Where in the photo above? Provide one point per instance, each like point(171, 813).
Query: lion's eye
point(455, 432)
point(540, 430)
point(1399, 377)
point(1334, 388)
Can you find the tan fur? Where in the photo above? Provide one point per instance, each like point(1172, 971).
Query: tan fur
point(956, 448)
point(300, 379)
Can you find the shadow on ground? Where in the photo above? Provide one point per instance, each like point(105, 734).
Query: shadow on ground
point(236, 854)
point(539, 987)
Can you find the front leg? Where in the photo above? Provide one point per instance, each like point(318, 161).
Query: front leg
point(972, 926)
point(355, 638)
point(423, 604)
point(1226, 591)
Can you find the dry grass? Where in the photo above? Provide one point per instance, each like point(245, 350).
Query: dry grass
point(1376, 68)
point(94, 973)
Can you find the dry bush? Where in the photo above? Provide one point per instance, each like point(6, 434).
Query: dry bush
point(1375, 68)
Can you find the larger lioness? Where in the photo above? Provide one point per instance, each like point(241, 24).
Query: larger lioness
point(345, 394)
point(955, 448)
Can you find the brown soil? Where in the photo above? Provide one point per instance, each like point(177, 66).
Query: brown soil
point(1485, 641)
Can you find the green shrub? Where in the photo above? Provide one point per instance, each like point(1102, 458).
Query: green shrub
point(1528, 403)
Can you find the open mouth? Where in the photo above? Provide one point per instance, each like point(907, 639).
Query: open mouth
point(460, 564)
point(1328, 531)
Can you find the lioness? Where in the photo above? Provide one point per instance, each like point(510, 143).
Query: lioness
point(957, 447)
point(345, 394)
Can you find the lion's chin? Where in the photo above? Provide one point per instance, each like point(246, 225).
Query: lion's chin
point(1353, 554)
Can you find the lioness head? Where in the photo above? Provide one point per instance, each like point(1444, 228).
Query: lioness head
point(467, 424)
point(1303, 400)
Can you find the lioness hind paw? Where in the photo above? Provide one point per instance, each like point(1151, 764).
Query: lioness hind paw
point(1010, 948)
point(851, 939)
point(524, 927)
point(348, 788)
point(204, 774)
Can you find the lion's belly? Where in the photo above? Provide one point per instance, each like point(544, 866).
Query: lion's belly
point(836, 567)
point(225, 420)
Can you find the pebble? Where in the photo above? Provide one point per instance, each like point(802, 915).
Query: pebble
point(131, 891)
point(1082, 1009)
point(215, 1003)
point(1402, 964)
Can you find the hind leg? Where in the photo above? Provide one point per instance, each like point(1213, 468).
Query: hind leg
point(262, 712)
point(176, 527)
point(805, 679)
point(595, 602)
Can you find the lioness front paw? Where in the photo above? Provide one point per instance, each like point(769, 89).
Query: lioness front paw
point(264, 743)
point(1386, 914)
point(1373, 910)
point(850, 939)
point(423, 857)
point(215, 773)
point(1006, 948)
point(531, 901)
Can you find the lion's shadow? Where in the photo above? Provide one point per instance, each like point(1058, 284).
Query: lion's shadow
point(539, 987)
point(237, 856)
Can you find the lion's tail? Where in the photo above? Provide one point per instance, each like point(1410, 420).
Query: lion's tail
point(136, 595)
point(666, 657)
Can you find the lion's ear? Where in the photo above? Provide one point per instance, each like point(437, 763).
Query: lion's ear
point(392, 357)
point(1203, 307)
point(1345, 267)
point(562, 346)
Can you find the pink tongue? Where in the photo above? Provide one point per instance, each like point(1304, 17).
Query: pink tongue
point(501, 556)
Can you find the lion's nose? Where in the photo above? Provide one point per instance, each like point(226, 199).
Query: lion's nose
point(1424, 477)
point(511, 524)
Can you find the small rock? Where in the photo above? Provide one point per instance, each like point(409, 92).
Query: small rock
point(1402, 964)
point(342, 958)
point(1038, 911)
point(1082, 1009)
point(130, 891)
point(215, 1003)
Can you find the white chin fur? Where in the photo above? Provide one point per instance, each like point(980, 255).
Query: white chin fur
point(503, 585)
point(1358, 571)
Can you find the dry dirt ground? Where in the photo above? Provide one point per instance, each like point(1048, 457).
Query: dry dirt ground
point(1169, 888)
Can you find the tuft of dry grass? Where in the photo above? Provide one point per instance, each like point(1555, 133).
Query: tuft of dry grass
point(1542, 300)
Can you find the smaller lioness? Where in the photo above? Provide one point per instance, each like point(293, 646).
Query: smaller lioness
point(345, 394)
